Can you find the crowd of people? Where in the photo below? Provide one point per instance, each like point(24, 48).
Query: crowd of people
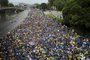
point(41, 38)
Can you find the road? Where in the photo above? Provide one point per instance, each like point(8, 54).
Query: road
point(6, 26)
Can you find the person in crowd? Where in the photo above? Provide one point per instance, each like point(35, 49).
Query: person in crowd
point(41, 38)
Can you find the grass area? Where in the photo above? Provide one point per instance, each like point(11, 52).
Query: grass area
point(55, 18)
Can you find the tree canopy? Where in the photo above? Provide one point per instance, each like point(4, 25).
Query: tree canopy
point(59, 4)
point(77, 13)
point(43, 6)
point(10, 5)
point(51, 2)
point(4, 3)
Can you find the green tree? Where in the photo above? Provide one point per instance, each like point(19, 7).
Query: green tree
point(4, 3)
point(76, 13)
point(37, 5)
point(58, 4)
point(10, 5)
point(51, 2)
point(43, 6)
